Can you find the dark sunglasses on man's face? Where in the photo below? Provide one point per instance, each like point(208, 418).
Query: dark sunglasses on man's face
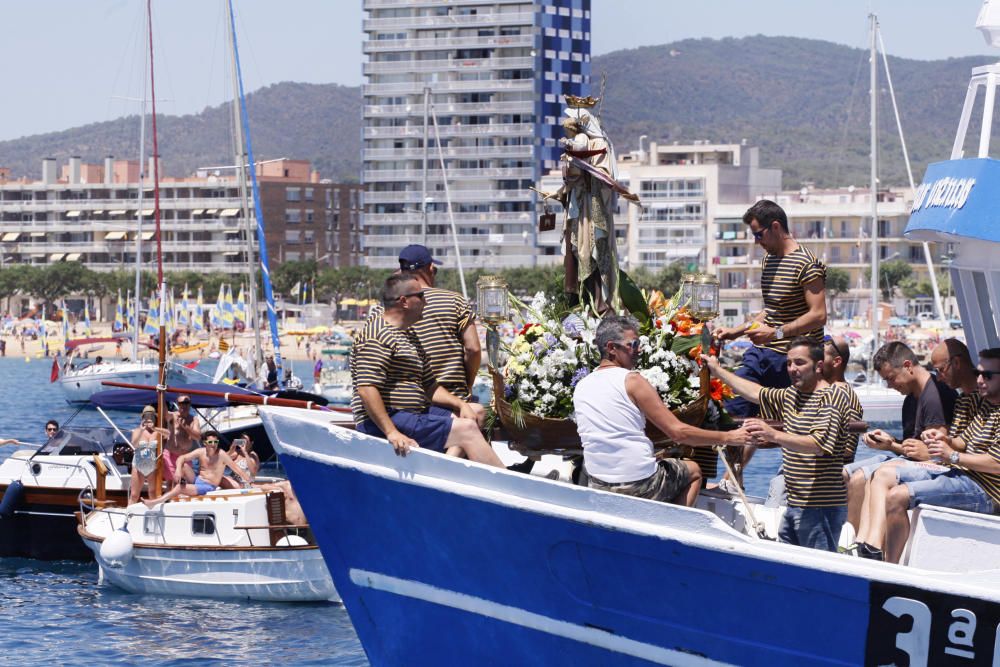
point(51, 429)
point(419, 295)
point(836, 348)
point(987, 374)
point(631, 345)
point(759, 234)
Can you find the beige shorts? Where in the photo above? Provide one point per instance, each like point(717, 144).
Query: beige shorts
point(671, 477)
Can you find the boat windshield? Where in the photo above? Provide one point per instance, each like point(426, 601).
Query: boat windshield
point(76, 441)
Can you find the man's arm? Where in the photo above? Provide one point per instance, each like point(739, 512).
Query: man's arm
point(446, 399)
point(985, 463)
point(760, 430)
point(746, 388)
point(225, 458)
point(192, 429)
point(472, 351)
point(650, 405)
point(375, 409)
point(815, 318)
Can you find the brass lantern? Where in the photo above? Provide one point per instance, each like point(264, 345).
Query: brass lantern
point(705, 297)
point(687, 290)
point(492, 307)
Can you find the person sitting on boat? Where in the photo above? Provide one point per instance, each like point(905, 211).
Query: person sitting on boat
point(212, 463)
point(51, 428)
point(929, 404)
point(185, 432)
point(793, 284)
point(242, 454)
point(144, 443)
point(816, 415)
point(952, 362)
point(446, 330)
point(612, 405)
point(394, 386)
point(963, 472)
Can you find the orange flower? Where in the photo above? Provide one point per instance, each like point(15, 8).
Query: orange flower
point(695, 353)
point(718, 390)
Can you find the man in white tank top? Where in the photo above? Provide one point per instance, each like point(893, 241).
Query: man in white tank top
point(612, 405)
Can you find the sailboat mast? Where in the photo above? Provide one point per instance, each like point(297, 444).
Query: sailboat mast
point(138, 233)
point(265, 271)
point(874, 181)
point(161, 403)
point(241, 167)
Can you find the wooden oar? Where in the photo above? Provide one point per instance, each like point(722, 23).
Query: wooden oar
point(245, 399)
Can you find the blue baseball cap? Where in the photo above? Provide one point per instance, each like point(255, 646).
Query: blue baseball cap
point(415, 257)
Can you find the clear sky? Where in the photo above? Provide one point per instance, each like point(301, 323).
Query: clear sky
point(70, 62)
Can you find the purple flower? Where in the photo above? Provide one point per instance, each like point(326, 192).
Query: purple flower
point(573, 325)
point(550, 340)
point(508, 391)
point(579, 375)
point(538, 348)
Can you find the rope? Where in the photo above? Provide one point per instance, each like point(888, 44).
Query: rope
point(757, 526)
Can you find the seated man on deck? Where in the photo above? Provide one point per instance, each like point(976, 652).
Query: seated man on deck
point(394, 385)
point(612, 405)
point(816, 416)
point(965, 473)
point(212, 464)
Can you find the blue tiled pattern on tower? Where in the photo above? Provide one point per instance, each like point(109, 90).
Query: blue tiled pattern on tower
point(563, 65)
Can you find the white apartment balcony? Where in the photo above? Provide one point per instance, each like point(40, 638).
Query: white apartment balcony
point(417, 131)
point(382, 175)
point(477, 240)
point(416, 109)
point(416, 197)
point(374, 219)
point(484, 261)
point(439, 43)
point(221, 266)
point(449, 65)
point(438, 87)
point(130, 206)
point(388, 4)
point(451, 21)
point(482, 152)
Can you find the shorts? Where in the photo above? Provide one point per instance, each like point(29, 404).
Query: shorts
point(813, 527)
point(430, 429)
point(169, 463)
point(202, 486)
point(952, 489)
point(672, 476)
point(763, 366)
point(870, 465)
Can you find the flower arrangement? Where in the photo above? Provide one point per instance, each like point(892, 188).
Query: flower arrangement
point(550, 354)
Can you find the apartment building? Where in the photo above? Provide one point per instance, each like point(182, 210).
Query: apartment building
point(90, 213)
point(478, 85)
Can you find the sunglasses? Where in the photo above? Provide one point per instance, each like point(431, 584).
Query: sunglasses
point(837, 348)
point(987, 374)
point(633, 345)
point(419, 295)
point(943, 368)
point(51, 429)
point(210, 441)
point(759, 234)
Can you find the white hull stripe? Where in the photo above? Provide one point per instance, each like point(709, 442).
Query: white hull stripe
point(515, 616)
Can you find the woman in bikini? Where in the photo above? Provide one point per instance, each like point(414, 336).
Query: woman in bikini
point(242, 454)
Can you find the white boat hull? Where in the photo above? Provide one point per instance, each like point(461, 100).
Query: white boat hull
point(79, 386)
point(296, 574)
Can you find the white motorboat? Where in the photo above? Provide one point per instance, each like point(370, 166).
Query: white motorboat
point(226, 544)
point(79, 384)
point(880, 403)
point(42, 489)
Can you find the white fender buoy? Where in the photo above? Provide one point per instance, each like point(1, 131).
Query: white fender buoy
point(116, 550)
point(292, 541)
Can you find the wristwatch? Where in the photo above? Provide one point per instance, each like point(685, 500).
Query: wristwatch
point(954, 458)
point(779, 333)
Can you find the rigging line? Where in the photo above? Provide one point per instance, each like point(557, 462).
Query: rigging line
point(842, 157)
point(272, 315)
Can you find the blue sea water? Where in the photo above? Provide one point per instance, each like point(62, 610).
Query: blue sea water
point(60, 609)
point(57, 612)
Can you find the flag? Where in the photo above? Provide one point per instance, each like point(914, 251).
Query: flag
point(184, 313)
point(153, 317)
point(295, 289)
point(240, 314)
point(130, 312)
point(86, 319)
point(199, 312)
point(65, 321)
point(215, 317)
point(54, 374)
point(168, 311)
point(228, 309)
point(119, 324)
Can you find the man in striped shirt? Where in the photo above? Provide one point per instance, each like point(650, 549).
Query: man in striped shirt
point(815, 415)
point(394, 385)
point(793, 286)
point(971, 456)
point(447, 330)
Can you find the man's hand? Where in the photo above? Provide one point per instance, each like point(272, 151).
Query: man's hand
point(915, 449)
point(878, 439)
point(940, 449)
point(712, 362)
point(473, 411)
point(760, 334)
point(760, 431)
point(722, 334)
point(401, 443)
point(739, 437)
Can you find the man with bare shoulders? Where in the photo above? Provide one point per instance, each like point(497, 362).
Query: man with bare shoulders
point(212, 464)
point(184, 434)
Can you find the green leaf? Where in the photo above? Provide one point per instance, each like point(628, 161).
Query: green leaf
point(684, 344)
point(632, 299)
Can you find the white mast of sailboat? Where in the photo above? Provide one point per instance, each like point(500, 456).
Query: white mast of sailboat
point(138, 234)
point(873, 135)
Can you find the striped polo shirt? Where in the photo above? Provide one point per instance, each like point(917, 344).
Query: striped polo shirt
point(812, 480)
point(854, 413)
point(390, 359)
point(446, 314)
point(966, 407)
point(982, 436)
point(782, 281)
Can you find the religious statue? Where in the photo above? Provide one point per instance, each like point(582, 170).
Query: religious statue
point(589, 197)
